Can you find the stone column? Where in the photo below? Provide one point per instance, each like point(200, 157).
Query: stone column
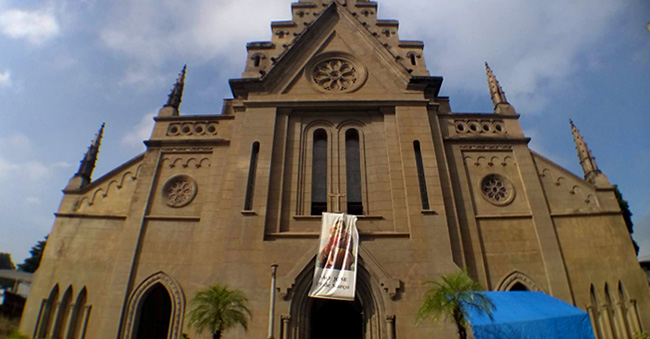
point(593, 317)
point(39, 320)
point(286, 321)
point(274, 269)
point(608, 330)
point(390, 326)
point(633, 314)
point(621, 319)
point(71, 322)
point(55, 321)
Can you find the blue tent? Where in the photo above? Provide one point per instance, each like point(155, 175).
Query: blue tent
point(530, 315)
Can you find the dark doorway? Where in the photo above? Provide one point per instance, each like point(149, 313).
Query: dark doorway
point(155, 314)
point(518, 287)
point(336, 319)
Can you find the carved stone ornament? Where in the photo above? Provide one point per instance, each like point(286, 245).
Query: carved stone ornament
point(497, 189)
point(336, 73)
point(179, 191)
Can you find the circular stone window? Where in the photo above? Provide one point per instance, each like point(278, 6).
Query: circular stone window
point(336, 73)
point(497, 189)
point(179, 191)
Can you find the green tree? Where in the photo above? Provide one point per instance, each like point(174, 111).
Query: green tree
point(5, 262)
point(627, 215)
point(218, 309)
point(453, 297)
point(31, 264)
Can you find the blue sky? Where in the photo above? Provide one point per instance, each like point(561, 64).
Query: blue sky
point(67, 66)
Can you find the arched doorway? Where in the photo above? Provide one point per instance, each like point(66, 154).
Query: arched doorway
point(154, 314)
point(336, 319)
point(159, 296)
point(314, 318)
point(518, 286)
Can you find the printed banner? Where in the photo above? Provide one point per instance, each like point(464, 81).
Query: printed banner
point(335, 276)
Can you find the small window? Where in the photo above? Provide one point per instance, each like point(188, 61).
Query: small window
point(257, 59)
point(252, 169)
point(319, 173)
point(412, 57)
point(421, 178)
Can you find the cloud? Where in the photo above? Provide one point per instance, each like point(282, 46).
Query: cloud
point(531, 46)
point(139, 132)
point(34, 26)
point(150, 33)
point(5, 79)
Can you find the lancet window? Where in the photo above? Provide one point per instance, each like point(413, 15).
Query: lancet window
point(335, 168)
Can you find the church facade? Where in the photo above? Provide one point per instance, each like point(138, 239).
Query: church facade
point(335, 113)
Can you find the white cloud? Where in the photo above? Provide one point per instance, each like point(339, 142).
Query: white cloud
point(32, 200)
point(34, 26)
point(139, 132)
point(530, 45)
point(5, 78)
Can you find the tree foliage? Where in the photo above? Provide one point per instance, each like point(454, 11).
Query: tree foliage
point(217, 309)
point(6, 264)
point(31, 264)
point(453, 297)
point(627, 215)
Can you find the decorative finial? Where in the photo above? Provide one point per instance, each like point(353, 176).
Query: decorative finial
point(83, 176)
point(496, 92)
point(176, 96)
point(501, 105)
point(587, 160)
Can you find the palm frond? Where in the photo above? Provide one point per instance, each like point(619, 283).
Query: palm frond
point(453, 297)
point(218, 308)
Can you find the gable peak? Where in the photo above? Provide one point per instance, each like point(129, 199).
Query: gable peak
point(263, 56)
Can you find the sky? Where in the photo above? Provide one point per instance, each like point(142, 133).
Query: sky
point(66, 66)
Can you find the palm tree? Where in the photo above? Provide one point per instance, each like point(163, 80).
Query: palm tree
point(453, 298)
point(217, 309)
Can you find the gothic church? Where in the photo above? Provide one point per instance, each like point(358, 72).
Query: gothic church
point(335, 113)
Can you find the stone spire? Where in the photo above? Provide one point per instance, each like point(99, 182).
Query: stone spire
point(175, 97)
point(501, 105)
point(588, 162)
point(83, 176)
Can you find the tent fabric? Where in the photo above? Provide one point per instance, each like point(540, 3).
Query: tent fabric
point(530, 315)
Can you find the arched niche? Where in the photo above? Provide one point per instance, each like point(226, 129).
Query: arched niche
point(371, 301)
point(517, 281)
point(139, 296)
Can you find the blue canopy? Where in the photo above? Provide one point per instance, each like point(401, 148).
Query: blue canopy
point(530, 315)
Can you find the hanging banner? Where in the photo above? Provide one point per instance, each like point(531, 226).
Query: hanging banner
point(335, 276)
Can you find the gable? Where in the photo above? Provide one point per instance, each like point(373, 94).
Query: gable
point(337, 54)
point(565, 192)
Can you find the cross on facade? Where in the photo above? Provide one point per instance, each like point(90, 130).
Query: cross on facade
point(337, 200)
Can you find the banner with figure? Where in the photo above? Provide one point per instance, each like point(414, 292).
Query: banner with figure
point(335, 276)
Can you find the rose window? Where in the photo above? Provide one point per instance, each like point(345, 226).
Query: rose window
point(336, 75)
point(179, 191)
point(497, 189)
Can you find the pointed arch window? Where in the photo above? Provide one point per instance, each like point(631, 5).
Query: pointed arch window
point(424, 195)
point(62, 314)
point(252, 170)
point(593, 311)
point(353, 172)
point(48, 308)
point(319, 173)
point(79, 317)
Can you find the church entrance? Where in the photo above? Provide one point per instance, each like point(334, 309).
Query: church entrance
point(155, 314)
point(336, 319)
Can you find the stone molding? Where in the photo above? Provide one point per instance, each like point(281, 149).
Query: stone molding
point(177, 298)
